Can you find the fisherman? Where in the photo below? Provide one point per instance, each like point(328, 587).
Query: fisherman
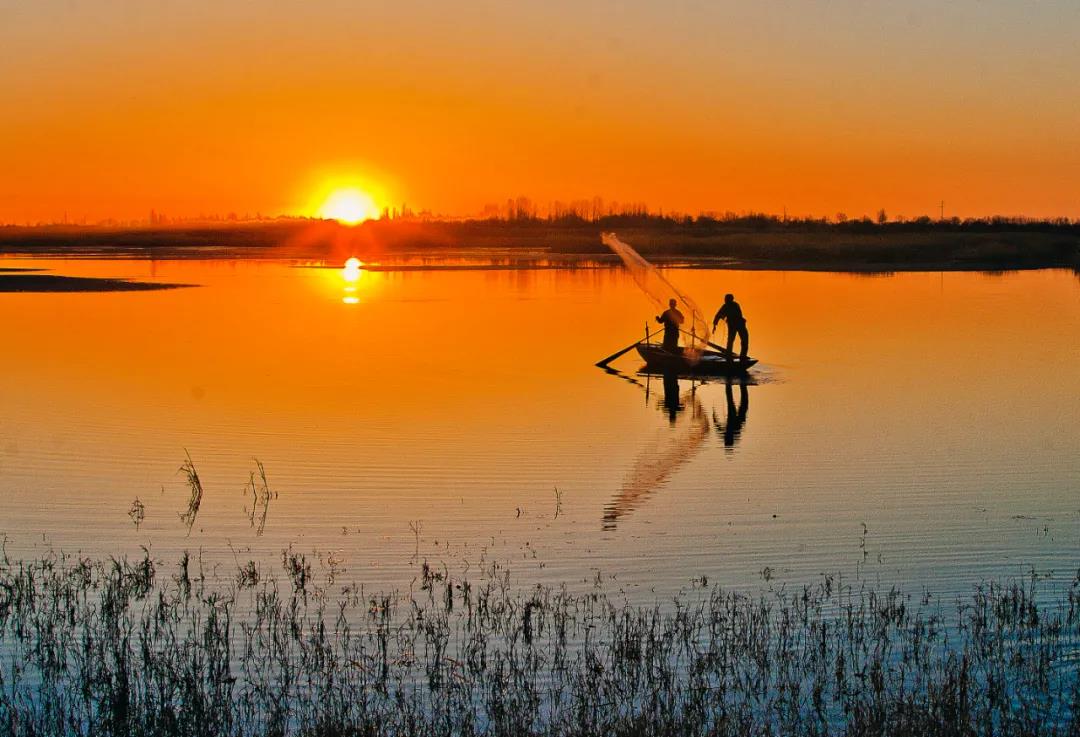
point(672, 321)
point(736, 324)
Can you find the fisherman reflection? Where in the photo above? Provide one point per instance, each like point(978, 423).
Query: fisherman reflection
point(672, 402)
point(731, 428)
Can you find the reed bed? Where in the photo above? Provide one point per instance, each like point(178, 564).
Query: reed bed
point(138, 647)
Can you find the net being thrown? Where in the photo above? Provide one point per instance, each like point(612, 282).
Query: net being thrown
point(659, 288)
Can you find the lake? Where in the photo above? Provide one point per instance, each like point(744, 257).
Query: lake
point(916, 429)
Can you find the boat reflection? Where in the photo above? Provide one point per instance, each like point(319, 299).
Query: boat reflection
point(687, 429)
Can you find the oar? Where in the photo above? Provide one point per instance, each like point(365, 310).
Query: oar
point(627, 349)
point(722, 351)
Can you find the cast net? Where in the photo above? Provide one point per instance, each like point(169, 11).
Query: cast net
point(659, 289)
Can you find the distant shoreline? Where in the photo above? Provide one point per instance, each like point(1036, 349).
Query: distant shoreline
point(751, 244)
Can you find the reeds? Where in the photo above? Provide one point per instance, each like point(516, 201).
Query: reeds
point(196, 488)
point(113, 647)
point(261, 495)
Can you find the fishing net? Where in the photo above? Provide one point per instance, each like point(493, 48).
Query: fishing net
point(659, 289)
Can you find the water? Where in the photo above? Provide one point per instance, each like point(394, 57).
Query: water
point(916, 429)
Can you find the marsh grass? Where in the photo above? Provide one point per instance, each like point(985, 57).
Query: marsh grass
point(119, 647)
point(137, 512)
point(195, 488)
point(261, 495)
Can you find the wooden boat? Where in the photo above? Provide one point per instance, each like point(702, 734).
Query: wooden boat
point(685, 361)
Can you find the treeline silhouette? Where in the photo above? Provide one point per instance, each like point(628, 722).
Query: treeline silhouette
point(763, 222)
point(753, 240)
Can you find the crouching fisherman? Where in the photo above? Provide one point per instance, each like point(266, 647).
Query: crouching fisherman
point(672, 321)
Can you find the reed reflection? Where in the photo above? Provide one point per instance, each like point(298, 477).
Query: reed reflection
point(675, 445)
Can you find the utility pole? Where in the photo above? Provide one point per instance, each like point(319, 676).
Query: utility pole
point(942, 210)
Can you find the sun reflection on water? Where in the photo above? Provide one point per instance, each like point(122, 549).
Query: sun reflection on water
point(351, 274)
point(352, 271)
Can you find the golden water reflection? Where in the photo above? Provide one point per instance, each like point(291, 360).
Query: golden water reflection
point(676, 444)
point(352, 270)
point(459, 396)
point(351, 273)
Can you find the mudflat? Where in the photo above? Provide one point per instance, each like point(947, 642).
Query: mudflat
point(23, 282)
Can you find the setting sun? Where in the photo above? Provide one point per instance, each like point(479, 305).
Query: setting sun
point(349, 206)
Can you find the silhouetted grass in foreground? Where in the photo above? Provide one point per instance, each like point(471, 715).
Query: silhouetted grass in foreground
point(120, 647)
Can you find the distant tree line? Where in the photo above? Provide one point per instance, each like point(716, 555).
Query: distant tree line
point(596, 212)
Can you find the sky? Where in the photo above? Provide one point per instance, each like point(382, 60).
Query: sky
point(116, 107)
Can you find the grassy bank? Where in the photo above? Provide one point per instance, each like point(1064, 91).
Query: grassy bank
point(737, 243)
point(134, 647)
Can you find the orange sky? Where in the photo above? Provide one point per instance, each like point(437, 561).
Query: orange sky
point(114, 107)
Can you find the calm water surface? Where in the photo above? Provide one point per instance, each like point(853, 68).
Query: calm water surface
point(918, 429)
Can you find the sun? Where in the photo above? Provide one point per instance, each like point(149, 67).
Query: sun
point(349, 206)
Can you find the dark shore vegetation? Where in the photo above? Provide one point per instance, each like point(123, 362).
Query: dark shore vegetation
point(756, 241)
point(138, 647)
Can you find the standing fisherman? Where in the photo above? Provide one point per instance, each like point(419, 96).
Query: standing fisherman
point(736, 324)
point(672, 321)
